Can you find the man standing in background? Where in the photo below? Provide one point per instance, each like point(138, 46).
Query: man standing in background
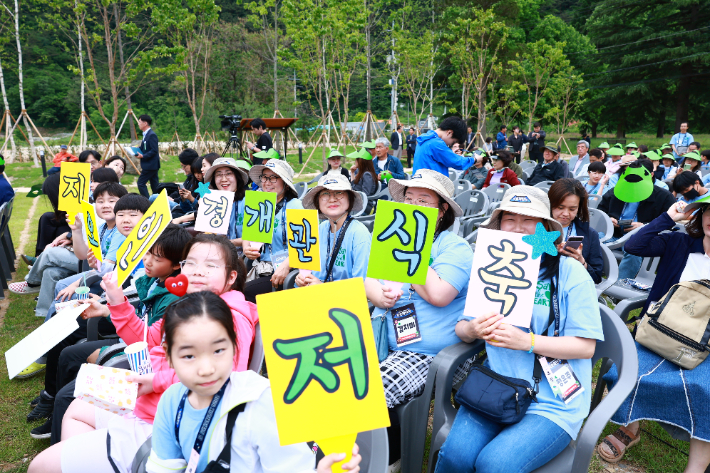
point(411, 146)
point(149, 156)
point(397, 142)
point(264, 143)
point(536, 138)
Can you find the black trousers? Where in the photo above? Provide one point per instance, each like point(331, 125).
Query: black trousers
point(410, 156)
point(144, 178)
point(536, 156)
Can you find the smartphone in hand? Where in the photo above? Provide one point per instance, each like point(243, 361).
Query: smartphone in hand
point(573, 243)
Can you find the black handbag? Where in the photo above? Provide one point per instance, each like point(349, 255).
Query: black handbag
point(499, 398)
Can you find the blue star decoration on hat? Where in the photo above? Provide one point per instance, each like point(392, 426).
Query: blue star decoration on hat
point(542, 241)
point(203, 189)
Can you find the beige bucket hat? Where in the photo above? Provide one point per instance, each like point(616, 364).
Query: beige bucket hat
point(524, 200)
point(426, 179)
point(278, 167)
point(227, 163)
point(336, 182)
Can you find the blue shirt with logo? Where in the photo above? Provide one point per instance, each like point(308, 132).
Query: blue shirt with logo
point(353, 255)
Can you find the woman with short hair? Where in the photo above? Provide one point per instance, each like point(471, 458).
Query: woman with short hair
point(501, 173)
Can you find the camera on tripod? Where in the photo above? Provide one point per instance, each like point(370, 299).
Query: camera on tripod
point(230, 123)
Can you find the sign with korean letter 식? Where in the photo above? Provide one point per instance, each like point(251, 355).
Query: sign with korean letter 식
point(214, 212)
point(323, 366)
point(303, 239)
point(142, 237)
point(259, 209)
point(74, 180)
point(91, 229)
point(401, 242)
point(503, 277)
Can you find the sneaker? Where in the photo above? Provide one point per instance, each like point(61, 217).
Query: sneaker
point(32, 370)
point(22, 288)
point(35, 401)
point(395, 467)
point(30, 260)
point(43, 410)
point(44, 431)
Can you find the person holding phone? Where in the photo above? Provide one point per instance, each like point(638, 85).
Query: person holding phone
point(568, 205)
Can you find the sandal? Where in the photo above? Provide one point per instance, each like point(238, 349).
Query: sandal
point(614, 446)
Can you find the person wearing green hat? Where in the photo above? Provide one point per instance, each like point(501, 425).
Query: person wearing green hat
point(668, 168)
point(692, 162)
point(364, 177)
point(631, 147)
point(334, 164)
point(688, 187)
point(604, 146)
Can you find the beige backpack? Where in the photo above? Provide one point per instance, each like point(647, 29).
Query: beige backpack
point(678, 326)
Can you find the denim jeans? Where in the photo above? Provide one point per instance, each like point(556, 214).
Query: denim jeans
point(63, 284)
point(630, 265)
point(51, 266)
point(476, 444)
point(172, 204)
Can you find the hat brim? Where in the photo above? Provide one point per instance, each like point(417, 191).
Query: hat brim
point(240, 172)
point(256, 171)
point(397, 188)
point(309, 200)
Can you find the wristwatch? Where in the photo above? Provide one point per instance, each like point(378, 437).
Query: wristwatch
point(68, 235)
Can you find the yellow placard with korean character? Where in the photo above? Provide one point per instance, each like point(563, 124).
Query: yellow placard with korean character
point(74, 180)
point(303, 239)
point(142, 237)
point(91, 229)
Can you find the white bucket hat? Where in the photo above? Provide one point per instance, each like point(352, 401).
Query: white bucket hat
point(278, 167)
point(227, 163)
point(524, 200)
point(336, 182)
point(426, 179)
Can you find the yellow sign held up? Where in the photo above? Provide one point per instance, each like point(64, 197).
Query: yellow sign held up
point(323, 366)
point(91, 229)
point(142, 237)
point(303, 239)
point(74, 180)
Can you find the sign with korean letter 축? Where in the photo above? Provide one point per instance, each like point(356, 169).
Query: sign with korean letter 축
point(303, 239)
point(214, 212)
point(142, 237)
point(259, 209)
point(91, 229)
point(503, 277)
point(74, 180)
point(401, 242)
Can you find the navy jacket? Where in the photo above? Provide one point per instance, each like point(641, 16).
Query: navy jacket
point(658, 203)
point(673, 248)
point(591, 249)
point(149, 150)
point(394, 166)
point(6, 191)
point(550, 172)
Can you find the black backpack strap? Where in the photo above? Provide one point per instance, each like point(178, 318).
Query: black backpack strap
point(223, 460)
point(336, 248)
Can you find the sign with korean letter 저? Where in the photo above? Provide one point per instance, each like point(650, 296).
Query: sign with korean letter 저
point(259, 209)
point(503, 277)
point(303, 239)
point(74, 181)
point(142, 237)
point(214, 212)
point(91, 229)
point(323, 366)
point(401, 242)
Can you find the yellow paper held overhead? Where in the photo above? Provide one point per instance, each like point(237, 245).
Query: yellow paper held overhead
point(323, 366)
point(91, 229)
point(303, 239)
point(74, 180)
point(142, 237)
point(343, 444)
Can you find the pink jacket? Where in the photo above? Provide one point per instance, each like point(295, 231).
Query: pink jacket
point(130, 328)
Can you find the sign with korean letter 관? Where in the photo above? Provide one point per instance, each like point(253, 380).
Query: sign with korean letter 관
point(74, 180)
point(259, 209)
point(323, 366)
point(401, 242)
point(503, 277)
point(91, 229)
point(303, 239)
point(142, 237)
point(215, 212)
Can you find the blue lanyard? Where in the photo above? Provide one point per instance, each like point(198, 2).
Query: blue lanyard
point(569, 230)
point(205, 422)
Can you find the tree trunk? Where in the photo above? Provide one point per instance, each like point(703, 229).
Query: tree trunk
point(275, 57)
point(595, 125)
point(131, 125)
point(683, 98)
point(82, 126)
point(8, 125)
point(621, 128)
point(20, 86)
point(661, 128)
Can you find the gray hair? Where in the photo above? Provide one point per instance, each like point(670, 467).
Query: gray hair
point(583, 142)
point(383, 141)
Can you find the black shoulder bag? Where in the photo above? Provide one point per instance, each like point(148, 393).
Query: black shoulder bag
point(221, 464)
point(503, 399)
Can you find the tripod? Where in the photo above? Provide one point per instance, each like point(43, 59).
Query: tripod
point(234, 144)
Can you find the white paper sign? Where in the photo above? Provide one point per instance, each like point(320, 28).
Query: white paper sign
point(46, 336)
point(503, 277)
point(214, 212)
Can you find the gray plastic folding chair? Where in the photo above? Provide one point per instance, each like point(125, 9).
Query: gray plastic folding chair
point(257, 351)
point(646, 275)
point(594, 201)
point(611, 271)
point(544, 185)
point(315, 179)
point(474, 203)
point(461, 185)
point(290, 280)
point(367, 220)
point(301, 188)
point(601, 222)
point(495, 192)
point(374, 449)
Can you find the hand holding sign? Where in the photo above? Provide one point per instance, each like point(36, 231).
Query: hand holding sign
point(91, 229)
point(259, 209)
point(215, 212)
point(303, 239)
point(74, 182)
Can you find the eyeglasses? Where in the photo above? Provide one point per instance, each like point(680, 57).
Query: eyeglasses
point(339, 195)
point(224, 174)
point(272, 179)
point(190, 267)
point(409, 200)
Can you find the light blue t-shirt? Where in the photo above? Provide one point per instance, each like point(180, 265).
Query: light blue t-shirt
point(115, 242)
point(594, 189)
point(579, 317)
point(354, 253)
point(661, 184)
point(572, 232)
point(681, 139)
point(279, 243)
point(236, 220)
point(165, 445)
point(451, 258)
point(630, 211)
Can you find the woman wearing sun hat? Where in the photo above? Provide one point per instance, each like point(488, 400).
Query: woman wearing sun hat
point(436, 303)
point(667, 169)
point(275, 176)
point(693, 162)
point(345, 242)
point(476, 443)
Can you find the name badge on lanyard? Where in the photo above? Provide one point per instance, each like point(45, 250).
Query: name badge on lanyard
point(278, 258)
point(406, 325)
point(563, 381)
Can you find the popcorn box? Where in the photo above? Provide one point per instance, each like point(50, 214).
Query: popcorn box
point(106, 388)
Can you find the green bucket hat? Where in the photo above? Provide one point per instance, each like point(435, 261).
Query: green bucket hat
point(632, 145)
point(268, 154)
point(693, 155)
point(614, 151)
point(369, 144)
point(666, 145)
point(604, 145)
point(652, 155)
point(335, 153)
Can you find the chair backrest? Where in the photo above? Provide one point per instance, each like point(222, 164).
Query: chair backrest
point(492, 207)
point(290, 280)
point(374, 449)
point(594, 201)
point(315, 179)
point(257, 350)
point(601, 222)
point(453, 175)
point(364, 204)
point(473, 202)
point(120, 361)
point(368, 221)
point(461, 185)
point(611, 270)
point(495, 192)
point(302, 188)
point(544, 185)
point(704, 171)
point(526, 176)
point(647, 274)
point(141, 458)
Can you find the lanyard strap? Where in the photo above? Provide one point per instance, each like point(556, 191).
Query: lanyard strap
point(336, 248)
point(205, 422)
point(569, 230)
point(554, 317)
point(280, 206)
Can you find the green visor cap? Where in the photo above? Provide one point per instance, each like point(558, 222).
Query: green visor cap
point(652, 155)
point(604, 145)
point(635, 184)
point(368, 144)
point(668, 156)
point(335, 153)
point(618, 146)
point(614, 151)
point(698, 203)
point(665, 145)
point(632, 145)
point(268, 154)
point(635, 153)
point(360, 154)
point(692, 155)
point(243, 164)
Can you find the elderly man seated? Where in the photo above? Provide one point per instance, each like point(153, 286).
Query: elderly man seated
point(387, 166)
point(578, 164)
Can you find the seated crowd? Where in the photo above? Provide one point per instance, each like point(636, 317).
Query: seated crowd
point(215, 321)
